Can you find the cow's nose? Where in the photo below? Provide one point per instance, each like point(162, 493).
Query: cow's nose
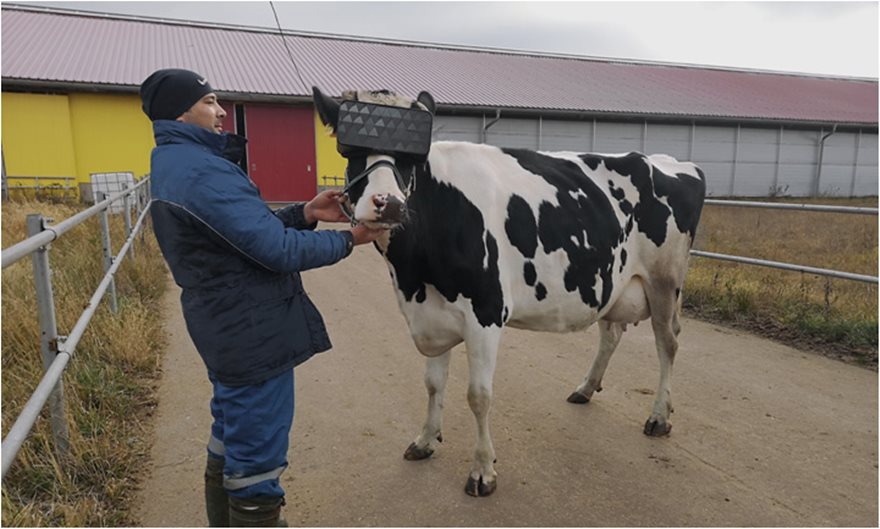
point(389, 208)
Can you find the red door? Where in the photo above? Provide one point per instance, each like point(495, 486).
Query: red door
point(281, 151)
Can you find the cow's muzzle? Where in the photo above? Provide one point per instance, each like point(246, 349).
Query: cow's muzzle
point(389, 209)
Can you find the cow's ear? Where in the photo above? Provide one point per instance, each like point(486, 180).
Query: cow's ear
point(328, 109)
point(426, 99)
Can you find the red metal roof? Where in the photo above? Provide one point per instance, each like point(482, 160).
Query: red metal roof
point(61, 47)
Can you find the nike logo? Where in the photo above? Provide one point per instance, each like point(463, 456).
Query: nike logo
point(203, 82)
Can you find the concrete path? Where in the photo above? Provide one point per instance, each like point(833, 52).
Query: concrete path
point(764, 435)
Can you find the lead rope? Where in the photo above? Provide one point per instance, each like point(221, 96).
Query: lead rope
point(352, 181)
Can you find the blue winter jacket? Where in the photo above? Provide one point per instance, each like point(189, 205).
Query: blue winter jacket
point(237, 261)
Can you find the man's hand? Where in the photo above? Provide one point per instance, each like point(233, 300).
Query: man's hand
point(363, 234)
point(325, 207)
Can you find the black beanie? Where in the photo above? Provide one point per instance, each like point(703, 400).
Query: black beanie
point(166, 94)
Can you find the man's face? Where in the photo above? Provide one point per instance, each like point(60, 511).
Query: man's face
point(206, 113)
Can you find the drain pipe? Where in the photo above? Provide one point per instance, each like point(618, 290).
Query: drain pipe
point(487, 125)
point(822, 155)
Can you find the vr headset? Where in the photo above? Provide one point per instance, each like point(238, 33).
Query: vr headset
point(371, 128)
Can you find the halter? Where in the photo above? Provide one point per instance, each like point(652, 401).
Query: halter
point(363, 127)
point(407, 189)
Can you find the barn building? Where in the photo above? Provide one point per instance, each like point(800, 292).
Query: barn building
point(70, 106)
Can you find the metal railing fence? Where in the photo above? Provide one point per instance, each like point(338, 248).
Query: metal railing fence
point(788, 266)
point(332, 181)
point(57, 350)
point(796, 207)
point(33, 182)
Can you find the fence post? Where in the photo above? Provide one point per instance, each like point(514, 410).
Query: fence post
point(48, 334)
point(145, 201)
point(139, 207)
point(127, 206)
point(108, 251)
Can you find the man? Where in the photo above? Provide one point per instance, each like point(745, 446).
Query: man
point(238, 265)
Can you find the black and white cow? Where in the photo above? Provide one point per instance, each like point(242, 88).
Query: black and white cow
point(487, 237)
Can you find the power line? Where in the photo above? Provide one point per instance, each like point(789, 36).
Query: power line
point(284, 40)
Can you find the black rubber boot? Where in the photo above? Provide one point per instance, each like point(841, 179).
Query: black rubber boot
point(216, 500)
point(261, 511)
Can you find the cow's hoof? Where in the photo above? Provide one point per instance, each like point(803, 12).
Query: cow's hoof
point(657, 427)
point(477, 488)
point(414, 453)
point(578, 398)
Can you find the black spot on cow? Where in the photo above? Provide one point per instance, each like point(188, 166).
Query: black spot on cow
point(686, 198)
point(447, 249)
point(506, 314)
point(421, 295)
point(520, 226)
point(593, 161)
point(530, 274)
point(616, 192)
point(650, 213)
point(540, 291)
point(684, 194)
point(625, 206)
point(583, 208)
point(522, 231)
point(622, 258)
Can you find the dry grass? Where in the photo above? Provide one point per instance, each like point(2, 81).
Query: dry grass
point(108, 384)
point(835, 316)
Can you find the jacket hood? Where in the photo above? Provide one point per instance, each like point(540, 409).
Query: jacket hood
point(226, 145)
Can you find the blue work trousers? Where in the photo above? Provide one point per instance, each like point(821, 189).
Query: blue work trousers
point(251, 432)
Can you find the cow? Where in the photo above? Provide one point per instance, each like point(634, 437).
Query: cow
point(483, 237)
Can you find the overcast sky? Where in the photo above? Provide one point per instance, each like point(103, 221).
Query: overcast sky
point(833, 38)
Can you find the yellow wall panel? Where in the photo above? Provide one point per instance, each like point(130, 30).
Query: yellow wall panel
point(37, 138)
point(331, 166)
point(110, 134)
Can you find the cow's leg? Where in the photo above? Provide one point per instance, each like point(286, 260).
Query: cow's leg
point(664, 321)
point(609, 337)
point(482, 347)
point(676, 313)
point(436, 374)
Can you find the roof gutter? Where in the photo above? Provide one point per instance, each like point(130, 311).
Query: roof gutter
point(449, 109)
point(481, 110)
point(62, 86)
